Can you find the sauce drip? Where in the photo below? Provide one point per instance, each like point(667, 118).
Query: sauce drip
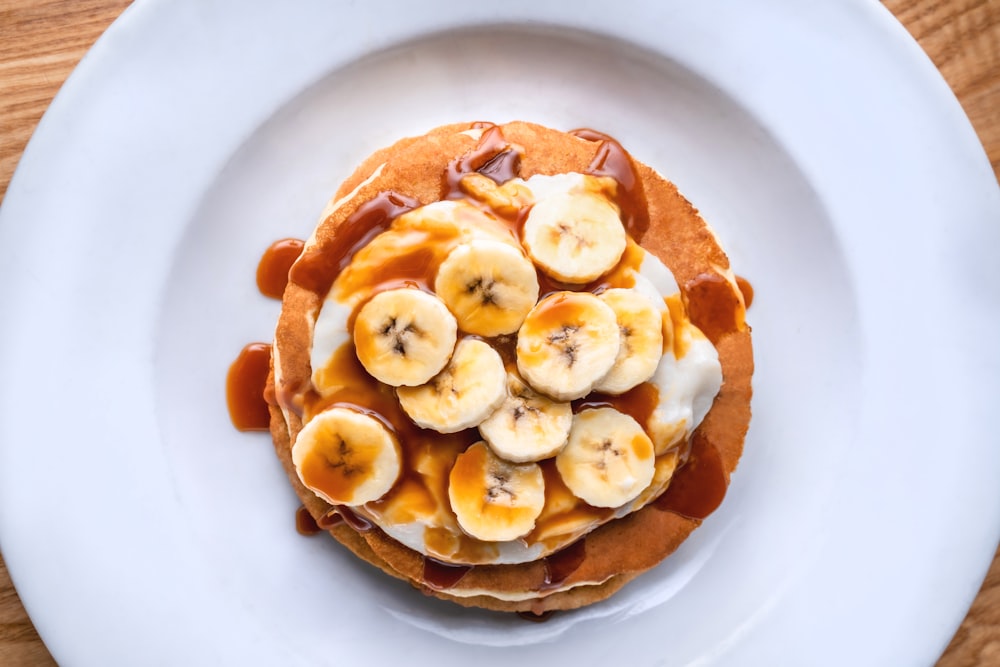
point(415, 268)
point(502, 167)
point(560, 565)
point(614, 161)
point(356, 390)
point(305, 524)
point(699, 486)
point(619, 276)
point(442, 576)
point(548, 285)
point(330, 519)
point(746, 289)
point(343, 514)
point(492, 157)
point(317, 268)
point(506, 347)
point(623, 273)
point(713, 306)
point(639, 402)
point(245, 384)
point(540, 617)
point(272, 271)
point(563, 512)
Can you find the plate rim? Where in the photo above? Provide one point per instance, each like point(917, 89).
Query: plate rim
point(76, 87)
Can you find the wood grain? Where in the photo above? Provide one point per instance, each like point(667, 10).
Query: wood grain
point(962, 38)
point(41, 41)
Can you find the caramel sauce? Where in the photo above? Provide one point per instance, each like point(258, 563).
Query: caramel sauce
point(331, 519)
point(413, 269)
point(422, 487)
point(560, 565)
point(442, 576)
point(536, 617)
point(502, 167)
point(506, 347)
point(563, 513)
point(746, 289)
point(354, 388)
point(407, 257)
point(442, 540)
point(272, 271)
point(492, 157)
point(247, 393)
point(560, 309)
point(548, 285)
point(623, 274)
point(354, 520)
point(433, 455)
point(305, 524)
point(699, 486)
point(339, 514)
point(713, 306)
point(318, 267)
point(245, 384)
point(291, 397)
point(678, 319)
point(639, 402)
point(413, 502)
point(614, 161)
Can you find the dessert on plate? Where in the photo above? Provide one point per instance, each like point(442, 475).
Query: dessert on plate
point(512, 366)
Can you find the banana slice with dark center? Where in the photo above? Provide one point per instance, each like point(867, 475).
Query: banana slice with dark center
point(574, 237)
point(404, 336)
point(493, 499)
point(489, 285)
point(568, 342)
point(527, 426)
point(346, 457)
point(468, 390)
point(608, 459)
point(641, 328)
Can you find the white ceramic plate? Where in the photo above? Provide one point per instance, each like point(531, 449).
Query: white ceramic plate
point(826, 151)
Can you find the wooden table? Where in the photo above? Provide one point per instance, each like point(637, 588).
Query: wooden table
point(41, 41)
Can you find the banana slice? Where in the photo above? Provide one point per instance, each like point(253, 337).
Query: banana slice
point(467, 391)
point(489, 286)
point(527, 426)
point(641, 328)
point(346, 457)
point(404, 336)
point(575, 237)
point(568, 342)
point(495, 500)
point(608, 459)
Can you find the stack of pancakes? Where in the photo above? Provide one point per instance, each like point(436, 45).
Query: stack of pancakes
point(421, 170)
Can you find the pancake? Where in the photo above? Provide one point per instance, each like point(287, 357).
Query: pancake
point(618, 544)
